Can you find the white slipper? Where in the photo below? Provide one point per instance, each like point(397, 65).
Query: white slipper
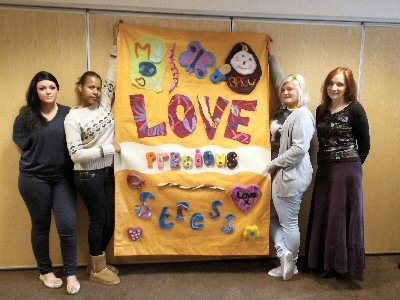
point(50, 280)
point(74, 287)
point(277, 272)
point(287, 265)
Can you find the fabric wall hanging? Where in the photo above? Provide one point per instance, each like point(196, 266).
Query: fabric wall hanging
point(191, 179)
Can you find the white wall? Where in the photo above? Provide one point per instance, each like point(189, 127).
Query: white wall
point(342, 10)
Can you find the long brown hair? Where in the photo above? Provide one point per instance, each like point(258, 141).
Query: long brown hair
point(350, 93)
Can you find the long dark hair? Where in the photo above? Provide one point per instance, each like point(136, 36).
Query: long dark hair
point(32, 119)
point(350, 93)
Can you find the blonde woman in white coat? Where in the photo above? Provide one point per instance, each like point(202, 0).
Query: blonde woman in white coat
point(292, 172)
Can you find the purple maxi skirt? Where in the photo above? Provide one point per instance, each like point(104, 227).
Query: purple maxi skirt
point(335, 236)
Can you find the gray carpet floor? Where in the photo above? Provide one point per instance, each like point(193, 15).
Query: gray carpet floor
point(222, 279)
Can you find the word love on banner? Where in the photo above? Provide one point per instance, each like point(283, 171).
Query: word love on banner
point(186, 126)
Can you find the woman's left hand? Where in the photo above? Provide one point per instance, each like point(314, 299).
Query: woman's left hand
point(117, 148)
point(270, 168)
point(116, 30)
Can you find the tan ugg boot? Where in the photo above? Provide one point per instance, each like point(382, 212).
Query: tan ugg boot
point(110, 267)
point(113, 269)
point(99, 271)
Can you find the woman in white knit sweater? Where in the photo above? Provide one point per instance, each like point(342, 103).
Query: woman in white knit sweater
point(89, 130)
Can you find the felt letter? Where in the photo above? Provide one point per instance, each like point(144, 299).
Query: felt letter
point(138, 107)
point(162, 221)
point(197, 221)
point(182, 205)
point(146, 214)
point(217, 213)
point(211, 121)
point(187, 125)
point(234, 119)
point(150, 157)
point(231, 227)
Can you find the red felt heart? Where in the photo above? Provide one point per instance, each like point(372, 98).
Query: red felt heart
point(245, 197)
point(135, 233)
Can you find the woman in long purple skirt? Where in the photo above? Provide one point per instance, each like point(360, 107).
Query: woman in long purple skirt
point(335, 237)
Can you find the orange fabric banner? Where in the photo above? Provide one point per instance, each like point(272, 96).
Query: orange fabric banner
point(192, 119)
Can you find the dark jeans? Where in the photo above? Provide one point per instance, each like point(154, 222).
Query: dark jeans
point(97, 190)
point(41, 197)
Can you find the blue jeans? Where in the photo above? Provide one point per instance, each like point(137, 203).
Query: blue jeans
point(41, 198)
point(97, 188)
point(285, 223)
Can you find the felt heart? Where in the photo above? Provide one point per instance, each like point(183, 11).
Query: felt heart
point(140, 81)
point(135, 233)
point(245, 197)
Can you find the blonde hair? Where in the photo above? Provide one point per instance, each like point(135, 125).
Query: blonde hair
point(299, 83)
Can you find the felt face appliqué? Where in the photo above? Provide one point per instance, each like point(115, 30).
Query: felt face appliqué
point(245, 197)
point(243, 62)
point(196, 59)
point(242, 69)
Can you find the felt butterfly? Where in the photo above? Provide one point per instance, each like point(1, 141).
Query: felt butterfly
point(196, 59)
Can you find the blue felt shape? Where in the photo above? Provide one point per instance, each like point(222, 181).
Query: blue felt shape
point(162, 221)
point(197, 221)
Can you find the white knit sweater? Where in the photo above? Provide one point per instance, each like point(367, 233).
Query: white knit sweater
point(90, 131)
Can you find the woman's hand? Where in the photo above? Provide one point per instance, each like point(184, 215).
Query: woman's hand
point(270, 168)
point(116, 30)
point(117, 148)
point(271, 48)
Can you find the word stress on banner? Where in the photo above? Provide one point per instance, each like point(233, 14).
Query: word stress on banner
point(197, 220)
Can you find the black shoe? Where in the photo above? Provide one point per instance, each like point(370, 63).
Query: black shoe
point(327, 274)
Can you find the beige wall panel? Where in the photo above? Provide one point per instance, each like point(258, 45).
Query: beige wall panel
point(381, 73)
point(31, 41)
point(313, 51)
